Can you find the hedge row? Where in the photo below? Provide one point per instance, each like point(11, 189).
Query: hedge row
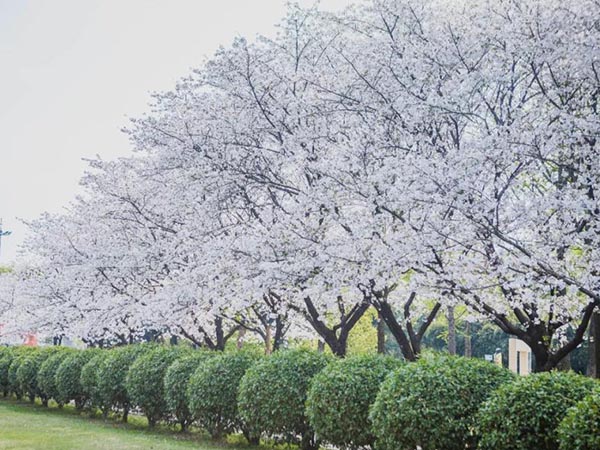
point(439, 402)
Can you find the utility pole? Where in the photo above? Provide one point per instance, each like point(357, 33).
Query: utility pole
point(2, 233)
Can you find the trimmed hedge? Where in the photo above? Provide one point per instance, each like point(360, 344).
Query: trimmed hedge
point(89, 380)
point(46, 376)
point(176, 382)
point(580, 429)
point(27, 373)
point(272, 395)
point(340, 397)
point(145, 385)
point(6, 357)
point(212, 393)
point(524, 415)
point(19, 355)
point(433, 403)
point(112, 392)
point(68, 375)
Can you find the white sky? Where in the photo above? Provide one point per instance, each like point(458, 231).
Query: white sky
point(72, 71)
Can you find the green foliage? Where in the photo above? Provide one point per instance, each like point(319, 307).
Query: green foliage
point(213, 389)
point(19, 355)
point(68, 375)
point(112, 392)
point(272, 394)
point(525, 414)
point(6, 356)
point(340, 397)
point(433, 403)
point(363, 336)
point(27, 373)
point(145, 381)
point(580, 429)
point(176, 382)
point(89, 379)
point(46, 376)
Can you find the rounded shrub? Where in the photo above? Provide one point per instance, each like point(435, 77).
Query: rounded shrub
point(19, 355)
point(340, 397)
point(213, 389)
point(111, 389)
point(272, 395)
point(176, 382)
point(89, 379)
point(580, 429)
point(27, 373)
point(46, 376)
point(68, 377)
point(6, 357)
point(524, 415)
point(433, 403)
point(145, 381)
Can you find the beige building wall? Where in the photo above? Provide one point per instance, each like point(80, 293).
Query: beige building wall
point(519, 357)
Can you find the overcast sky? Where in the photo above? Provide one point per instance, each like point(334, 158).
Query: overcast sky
point(72, 71)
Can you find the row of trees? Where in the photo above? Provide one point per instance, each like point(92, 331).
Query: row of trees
point(402, 155)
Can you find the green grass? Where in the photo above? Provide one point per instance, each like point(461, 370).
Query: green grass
point(30, 427)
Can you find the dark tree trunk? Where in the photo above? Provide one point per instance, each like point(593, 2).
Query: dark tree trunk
point(125, 416)
point(407, 338)
point(253, 439)
point(534, 331)
point(594, 346)
point(309, 441)
point(336, 336)
point(380, 334)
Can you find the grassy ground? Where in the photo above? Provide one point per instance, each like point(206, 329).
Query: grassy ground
point(31, 427)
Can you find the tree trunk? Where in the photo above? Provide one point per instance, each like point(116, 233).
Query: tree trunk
point(320, 346)
point(594, 346)
point(564, 364)
point(380, 334)
point(451, 330)
point(468, 345)
point(240, 338)
point(309, 441)
point(280, 330)
point(268, 341)
point(336, 336)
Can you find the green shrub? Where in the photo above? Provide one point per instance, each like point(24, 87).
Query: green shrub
point(213, 390)
point(433, 403)
point(145, 381)
point(580, 429)
point(176, 382)
point(19, 355)
point(272, 395)
point(112, 393)
point(524, 415)
point(68, 375)
point(340, 397)
point(46, 376)
point(27, 373)
point(89, 379)
point(6, 358)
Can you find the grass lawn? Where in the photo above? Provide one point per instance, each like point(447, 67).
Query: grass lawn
point(31, 427)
